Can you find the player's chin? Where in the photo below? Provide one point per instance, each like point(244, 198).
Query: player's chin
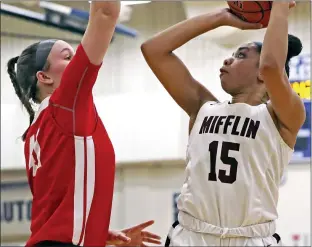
point(226, 86)
point(224, 83)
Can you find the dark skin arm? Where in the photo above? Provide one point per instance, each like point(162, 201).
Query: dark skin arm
point(187, 92)
point(285, 105)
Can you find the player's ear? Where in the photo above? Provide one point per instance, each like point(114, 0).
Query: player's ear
point(44, 78)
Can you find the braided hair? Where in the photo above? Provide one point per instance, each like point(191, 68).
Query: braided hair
point(24, 79)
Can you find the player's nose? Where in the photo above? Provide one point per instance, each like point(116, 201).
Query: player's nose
point(228, 61)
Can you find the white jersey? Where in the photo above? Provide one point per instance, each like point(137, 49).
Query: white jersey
point(235, 162)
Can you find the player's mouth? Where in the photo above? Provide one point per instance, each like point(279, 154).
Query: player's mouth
point(223, 71)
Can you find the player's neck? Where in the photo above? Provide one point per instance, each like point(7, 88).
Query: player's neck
point(249, 99)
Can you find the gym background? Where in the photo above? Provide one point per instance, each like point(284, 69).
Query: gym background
point(148, 130)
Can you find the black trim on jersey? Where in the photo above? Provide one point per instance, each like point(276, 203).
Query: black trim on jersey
point(230, 103)
point(167, 243)
point(277, 237)
point(53, 243)
point(175, 224)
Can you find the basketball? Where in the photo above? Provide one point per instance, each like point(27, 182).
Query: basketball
point(252, 11)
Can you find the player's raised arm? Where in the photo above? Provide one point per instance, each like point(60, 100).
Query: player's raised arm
point(286, 104)
point(100, 29)
point(170, 70)
point(74, 93)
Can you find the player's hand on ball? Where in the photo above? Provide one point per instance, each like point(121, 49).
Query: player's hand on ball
point(134, 236)
point(229, 19)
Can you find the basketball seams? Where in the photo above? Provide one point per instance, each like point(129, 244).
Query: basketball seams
point(260, 16)
point(233, 7)
point(261, 11)
point(250, 12)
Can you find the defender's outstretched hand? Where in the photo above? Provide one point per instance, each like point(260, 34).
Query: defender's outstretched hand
point(134, 236)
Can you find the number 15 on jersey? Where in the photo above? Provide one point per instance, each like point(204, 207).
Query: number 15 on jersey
point(225, 159)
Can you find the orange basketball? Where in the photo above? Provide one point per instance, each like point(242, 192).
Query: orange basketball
point(252, 11)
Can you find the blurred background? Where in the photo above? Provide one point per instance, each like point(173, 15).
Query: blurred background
point(148, 130)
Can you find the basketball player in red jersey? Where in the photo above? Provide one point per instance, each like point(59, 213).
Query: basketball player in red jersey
point(69, 157)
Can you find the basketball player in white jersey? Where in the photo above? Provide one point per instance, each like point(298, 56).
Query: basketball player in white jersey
point(237, 149)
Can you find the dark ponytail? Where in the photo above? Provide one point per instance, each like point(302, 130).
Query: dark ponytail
point(24, 79)
point(294, 49)
point(19, 92)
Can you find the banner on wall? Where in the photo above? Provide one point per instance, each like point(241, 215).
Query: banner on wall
point(300, 79)
point(15, 211)
point(16, 202)
point(300, 75)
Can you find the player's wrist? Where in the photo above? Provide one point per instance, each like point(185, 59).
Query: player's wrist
point(213, 19)
point(224, 18)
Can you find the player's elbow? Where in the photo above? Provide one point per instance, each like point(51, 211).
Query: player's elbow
point(153, 50)
point(300, 111)
point(147, 48)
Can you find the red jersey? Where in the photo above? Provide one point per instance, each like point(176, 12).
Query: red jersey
point(70, 162)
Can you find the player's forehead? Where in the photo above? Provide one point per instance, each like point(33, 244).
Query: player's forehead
point(247, 47)
point(59, 47)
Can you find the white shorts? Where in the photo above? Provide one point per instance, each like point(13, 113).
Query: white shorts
point(193, 232)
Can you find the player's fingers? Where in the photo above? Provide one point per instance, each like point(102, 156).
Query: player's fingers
point(142, 226)
point(151, 240)
point(122, 237)
point(237, 22)
point(247, 25)
point(150, 235)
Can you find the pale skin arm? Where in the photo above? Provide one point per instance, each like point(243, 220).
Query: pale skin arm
point(285, 103)
point(102, 21)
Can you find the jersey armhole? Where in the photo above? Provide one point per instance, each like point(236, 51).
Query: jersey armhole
point(200, 110)
point(271, 122)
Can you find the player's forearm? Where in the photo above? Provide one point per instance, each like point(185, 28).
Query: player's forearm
point(275, 44)
point(179, 34)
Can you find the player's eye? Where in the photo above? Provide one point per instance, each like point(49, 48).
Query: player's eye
point(240, 55)
point(68, 57)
